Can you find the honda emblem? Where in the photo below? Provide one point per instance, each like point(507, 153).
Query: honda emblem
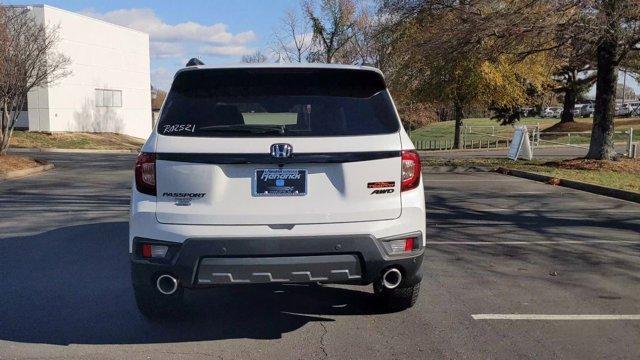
point(281, 150)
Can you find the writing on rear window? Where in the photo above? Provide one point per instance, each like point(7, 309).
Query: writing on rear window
point(167, 129)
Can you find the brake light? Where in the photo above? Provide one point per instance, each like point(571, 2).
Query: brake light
point(411, 170)
point(145, 172)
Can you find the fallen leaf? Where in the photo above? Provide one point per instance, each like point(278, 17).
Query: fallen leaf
point(554, 181)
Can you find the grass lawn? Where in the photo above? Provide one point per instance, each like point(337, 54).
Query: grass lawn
point(622, 174)
point(99, 141)
point(444, 130)
point(12, 162)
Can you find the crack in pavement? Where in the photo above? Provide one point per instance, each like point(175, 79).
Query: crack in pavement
point(322, 344)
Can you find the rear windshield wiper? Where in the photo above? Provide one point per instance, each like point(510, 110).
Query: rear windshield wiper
point(251, 129)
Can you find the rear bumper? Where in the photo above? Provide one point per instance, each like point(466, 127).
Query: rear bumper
point(203, 262)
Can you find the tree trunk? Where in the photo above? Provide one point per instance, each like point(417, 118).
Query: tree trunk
point(329, 56)
point(569, 104)
point(4, 133)
point(10, 113)
point(457, 114)
point(601, 146)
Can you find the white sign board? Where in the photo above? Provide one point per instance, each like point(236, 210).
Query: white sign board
point(520, 145)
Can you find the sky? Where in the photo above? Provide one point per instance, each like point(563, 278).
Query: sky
point(216, 31)
point(630, 83)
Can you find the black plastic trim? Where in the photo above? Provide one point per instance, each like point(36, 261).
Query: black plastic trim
point(252, 158)
point(185, 264)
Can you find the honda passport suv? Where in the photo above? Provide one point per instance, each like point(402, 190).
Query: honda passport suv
point(276, 174)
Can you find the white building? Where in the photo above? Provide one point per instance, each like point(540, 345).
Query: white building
point(109, 86)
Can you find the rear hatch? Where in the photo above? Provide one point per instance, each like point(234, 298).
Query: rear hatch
point(277, 146)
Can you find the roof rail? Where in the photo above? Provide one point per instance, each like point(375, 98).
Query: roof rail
point(194, 62)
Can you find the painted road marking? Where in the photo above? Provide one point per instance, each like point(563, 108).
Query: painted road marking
point(542, 242)
point(546, 210)
point(552, 317)
point(491, 193)
point(473, 180)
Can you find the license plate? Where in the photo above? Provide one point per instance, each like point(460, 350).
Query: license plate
point(280, 182)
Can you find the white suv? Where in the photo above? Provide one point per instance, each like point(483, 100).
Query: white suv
point(276, 174)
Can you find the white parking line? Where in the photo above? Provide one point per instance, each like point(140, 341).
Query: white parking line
point(490, 193)
point(542, 242)
point(552, 317)
point(473, 180)
point(606, 211)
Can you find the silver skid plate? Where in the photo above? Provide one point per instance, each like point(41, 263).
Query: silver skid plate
point(294, 269)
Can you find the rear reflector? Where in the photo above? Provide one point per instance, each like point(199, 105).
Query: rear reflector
point(154, 251)
point(408, 244)
point(146, 250)
point(411, 170)
point(399, 246)
point(145, 172)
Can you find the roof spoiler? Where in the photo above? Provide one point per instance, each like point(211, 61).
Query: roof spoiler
point(194, 62)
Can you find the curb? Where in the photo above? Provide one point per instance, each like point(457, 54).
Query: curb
point(578, 185)
point(452, 169)
point(88, 151)
point(427, 152)
point(26, 172)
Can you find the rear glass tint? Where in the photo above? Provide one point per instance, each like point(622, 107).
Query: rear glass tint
point(277, 102)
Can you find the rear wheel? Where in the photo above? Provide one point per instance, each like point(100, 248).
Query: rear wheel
point(155, 305)
point(400, 298)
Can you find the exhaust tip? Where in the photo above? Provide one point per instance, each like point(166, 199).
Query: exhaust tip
point(167, 284)
point(391, 278)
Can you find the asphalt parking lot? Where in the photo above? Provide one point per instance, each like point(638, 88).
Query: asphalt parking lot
point(513, 269)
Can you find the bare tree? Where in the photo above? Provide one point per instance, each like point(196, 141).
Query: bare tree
point(28, 59)
point(292, 40)
point(370, 40)
point(4, 37)
point(624, 92)
point(333, 23)
point(256, 57)
point(157, 97)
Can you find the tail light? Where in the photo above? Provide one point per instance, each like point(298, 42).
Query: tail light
point(411, 170)
point(146, 173)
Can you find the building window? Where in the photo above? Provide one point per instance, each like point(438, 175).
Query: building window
point(108, 98)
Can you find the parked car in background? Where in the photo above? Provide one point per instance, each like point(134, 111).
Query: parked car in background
point(587, 110)
point(527, 111)
point(635, 108)
point(576, 110)
point(558, 112)
point(550, 112)
point(624, 109)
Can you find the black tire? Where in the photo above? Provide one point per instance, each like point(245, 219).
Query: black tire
point(155, 305)
point(400, 298)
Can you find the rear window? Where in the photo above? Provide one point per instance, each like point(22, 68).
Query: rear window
point(277, 102)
